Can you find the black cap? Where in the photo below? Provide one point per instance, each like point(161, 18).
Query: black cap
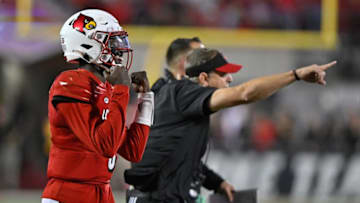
point(218, 63)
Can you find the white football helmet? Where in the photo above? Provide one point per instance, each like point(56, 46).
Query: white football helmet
point(95, 36)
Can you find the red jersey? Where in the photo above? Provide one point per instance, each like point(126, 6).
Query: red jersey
point(87, 122)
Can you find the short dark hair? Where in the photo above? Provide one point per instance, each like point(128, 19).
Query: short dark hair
point(179, 46)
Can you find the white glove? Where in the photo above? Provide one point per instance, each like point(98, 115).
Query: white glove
point(145, 113)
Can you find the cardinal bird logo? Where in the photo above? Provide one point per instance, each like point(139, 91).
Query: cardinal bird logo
point(83, 21)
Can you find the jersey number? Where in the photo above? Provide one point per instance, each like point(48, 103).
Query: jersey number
point(105, 113)
point(111, 163)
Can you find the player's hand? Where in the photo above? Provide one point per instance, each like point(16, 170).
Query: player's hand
point(140, 82)
point(118, 75)
point(314, 73)
point(227, 189)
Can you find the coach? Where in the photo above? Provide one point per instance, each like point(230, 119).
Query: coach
point(171, 169)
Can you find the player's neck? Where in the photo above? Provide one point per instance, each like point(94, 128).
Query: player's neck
point(95, 70)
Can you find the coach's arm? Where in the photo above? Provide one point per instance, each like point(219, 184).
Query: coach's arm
point(263, 87)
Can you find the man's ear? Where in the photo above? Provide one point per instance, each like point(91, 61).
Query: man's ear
point(203, 79)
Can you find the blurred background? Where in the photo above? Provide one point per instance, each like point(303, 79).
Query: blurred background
point(300, 145)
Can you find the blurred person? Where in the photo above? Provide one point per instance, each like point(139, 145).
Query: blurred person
point(309, 14)
point(286, 14)
point(262, 140)
point(172, 169)
point(260, 13)
point(176, 57)
point(350, 133)
point(232, 121)
point(285, 177)
point(324, 137)
point(263, 132)
point(229, 14)
point(87, 110)
point(284, 124)
point(349, 27)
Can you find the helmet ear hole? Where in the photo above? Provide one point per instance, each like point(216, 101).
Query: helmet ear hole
point(101, 37)
point(87, 57)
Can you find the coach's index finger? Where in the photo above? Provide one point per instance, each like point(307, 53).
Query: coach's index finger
point(326, 66)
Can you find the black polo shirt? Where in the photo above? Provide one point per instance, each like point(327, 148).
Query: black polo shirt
point(171, 164)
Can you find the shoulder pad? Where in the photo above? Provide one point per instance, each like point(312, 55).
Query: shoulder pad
point(73, 84)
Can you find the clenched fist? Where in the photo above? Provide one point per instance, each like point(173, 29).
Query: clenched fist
point(140, 82)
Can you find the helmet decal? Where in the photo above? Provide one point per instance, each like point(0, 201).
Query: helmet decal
point(83, 21)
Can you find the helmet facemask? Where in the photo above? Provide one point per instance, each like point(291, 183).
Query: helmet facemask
point(115, 49)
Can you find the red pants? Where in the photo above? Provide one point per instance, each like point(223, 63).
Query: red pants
point(72, 192)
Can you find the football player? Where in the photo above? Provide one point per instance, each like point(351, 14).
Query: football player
point(87, 110)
